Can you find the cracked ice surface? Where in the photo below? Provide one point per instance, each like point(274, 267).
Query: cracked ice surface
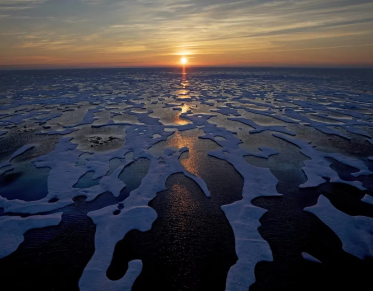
point(230, 107)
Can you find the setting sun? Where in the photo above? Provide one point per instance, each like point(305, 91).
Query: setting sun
point(183, 61)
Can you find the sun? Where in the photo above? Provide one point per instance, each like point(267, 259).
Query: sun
point(183, 61)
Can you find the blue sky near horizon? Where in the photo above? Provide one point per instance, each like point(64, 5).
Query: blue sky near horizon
point(73, 33)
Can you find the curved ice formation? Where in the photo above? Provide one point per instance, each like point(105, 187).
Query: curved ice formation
point(242, 215)
point(5, 167)
point(226, 111)
point(318, 167)
point(21, 151)
point(355, 232)
point(43, 120)
point(88, 117)
point(270, 113)
point(14, 155)
point(136, 214)
point(367, 199)
point(20, 118)
point(265, 153)
point(63, 175)
point(297, 113)
point(317, 125)
point(109, 123)
point(310, 258)
point(12, 229)
point(62, 132)
point(260, 128)
point(244, 219)
point(145, 118)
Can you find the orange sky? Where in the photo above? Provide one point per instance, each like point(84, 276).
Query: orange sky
point(116, 33)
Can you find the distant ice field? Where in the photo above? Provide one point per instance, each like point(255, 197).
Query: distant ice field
point(216, 179)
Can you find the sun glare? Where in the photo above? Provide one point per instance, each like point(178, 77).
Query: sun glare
point(183, 61)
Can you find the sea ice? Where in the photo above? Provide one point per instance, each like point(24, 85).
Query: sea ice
point(355, 232)
point(12, 229)
point(310, 258)
point(318, 167)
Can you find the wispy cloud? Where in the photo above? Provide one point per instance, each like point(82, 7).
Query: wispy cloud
point(214, 30)
point(19, 4)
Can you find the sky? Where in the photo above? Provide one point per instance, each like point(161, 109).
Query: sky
point(133, 33)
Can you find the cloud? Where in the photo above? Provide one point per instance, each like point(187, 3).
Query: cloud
point(19, 4)
point(143, 29)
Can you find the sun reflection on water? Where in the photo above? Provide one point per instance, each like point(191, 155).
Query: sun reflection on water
point(183, 93)
point(180, 121)
point(185, 108)
point(188, 139)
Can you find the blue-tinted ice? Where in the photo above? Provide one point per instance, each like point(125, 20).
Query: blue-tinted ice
point(65, 135)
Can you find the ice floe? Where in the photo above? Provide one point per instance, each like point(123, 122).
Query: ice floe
point(355, 232)
point(310, 258)
point(318, 167)
point(12, 229)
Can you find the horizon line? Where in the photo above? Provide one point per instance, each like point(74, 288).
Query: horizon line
point(53, 67)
